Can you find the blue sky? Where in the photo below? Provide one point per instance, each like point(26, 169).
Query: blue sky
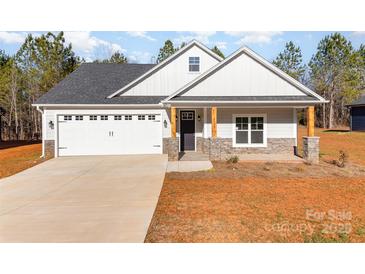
point(142, 47)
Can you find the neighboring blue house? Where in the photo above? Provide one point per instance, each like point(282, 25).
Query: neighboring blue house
point(357, 114)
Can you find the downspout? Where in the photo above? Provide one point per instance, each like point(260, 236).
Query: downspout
point(43, 148)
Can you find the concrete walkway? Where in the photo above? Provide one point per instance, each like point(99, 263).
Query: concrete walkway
point(188, 166)
point(82, 199)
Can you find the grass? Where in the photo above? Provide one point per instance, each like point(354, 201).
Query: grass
point(14, 159)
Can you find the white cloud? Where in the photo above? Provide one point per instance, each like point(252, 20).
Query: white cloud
point(142, 57)
point(255, 37)
point(141, 34)
point(235, 33)
point(12, 37)
point(201, 36)
point(221, 44)
point(358, 33)
point(91, 47)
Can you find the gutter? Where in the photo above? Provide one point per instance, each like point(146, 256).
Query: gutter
point(97, 105)
point(43, 148)
point(245, 102)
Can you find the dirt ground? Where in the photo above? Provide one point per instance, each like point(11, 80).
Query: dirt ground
point(332, 141)
point(262, 203)
point(16, 157)
point(268, 202)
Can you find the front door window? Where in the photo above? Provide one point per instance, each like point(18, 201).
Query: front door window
point(187, 130)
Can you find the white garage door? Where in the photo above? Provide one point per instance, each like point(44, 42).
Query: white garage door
point(104, 134)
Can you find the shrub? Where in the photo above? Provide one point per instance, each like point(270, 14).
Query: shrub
point(233, 159)
point(342, 159)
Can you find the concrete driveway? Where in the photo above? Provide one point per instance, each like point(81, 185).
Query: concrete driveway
point(82, 199)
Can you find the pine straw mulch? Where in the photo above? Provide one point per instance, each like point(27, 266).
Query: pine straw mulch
point(262, 202)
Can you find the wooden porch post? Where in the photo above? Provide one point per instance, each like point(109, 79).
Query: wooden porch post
point(310, 121)
point(214, 122)
point(173, 122)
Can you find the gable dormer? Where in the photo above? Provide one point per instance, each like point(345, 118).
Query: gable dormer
point(173, 73)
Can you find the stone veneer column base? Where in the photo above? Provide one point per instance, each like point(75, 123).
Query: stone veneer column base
point(49, 148)
point(171, 148)
point(311, 149)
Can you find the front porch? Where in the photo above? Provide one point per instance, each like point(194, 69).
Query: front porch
point(252, 134)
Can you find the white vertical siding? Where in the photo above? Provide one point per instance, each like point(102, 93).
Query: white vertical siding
point(174, 75)
point(244, 77)
point(280, 123)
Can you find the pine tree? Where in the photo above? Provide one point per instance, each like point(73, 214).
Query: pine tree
point(335, 72)
point(116, 58)
point(166, 51)
point(217, 51)
point(290, 61)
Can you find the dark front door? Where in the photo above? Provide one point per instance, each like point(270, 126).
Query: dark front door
point(187, 130)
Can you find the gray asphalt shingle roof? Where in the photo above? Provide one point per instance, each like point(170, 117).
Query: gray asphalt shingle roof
point(91, 83)
point(359, 102)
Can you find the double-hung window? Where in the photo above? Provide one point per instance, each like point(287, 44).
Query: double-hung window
point(194, 64)
point(249, 130)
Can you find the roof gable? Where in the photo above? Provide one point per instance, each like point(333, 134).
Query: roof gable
point(244, 73)
point(171, 74)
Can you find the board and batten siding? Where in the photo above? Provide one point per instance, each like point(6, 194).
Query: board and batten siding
point(281, 123)
point(174, 75)
point(246, 77)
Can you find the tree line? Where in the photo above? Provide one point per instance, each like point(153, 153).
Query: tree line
point(336, 71)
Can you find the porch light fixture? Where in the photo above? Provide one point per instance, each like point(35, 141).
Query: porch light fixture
point(199, 118)
point(51, 125)
point(165, 123)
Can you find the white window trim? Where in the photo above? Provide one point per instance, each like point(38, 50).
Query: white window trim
point(197, 71)
point(234, 116)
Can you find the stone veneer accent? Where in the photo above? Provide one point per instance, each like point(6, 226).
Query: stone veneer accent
point(311, 149)
point(49, 148)
point(221, 148)
point(171, 148)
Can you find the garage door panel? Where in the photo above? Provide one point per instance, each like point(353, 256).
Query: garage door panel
point(109, 137)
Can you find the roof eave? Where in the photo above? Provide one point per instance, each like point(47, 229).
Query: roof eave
point(97, 105)
point(245, 102)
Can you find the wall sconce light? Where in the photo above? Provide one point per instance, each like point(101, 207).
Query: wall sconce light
point(51, 125)
point(165, 123)
point(199, 118)
point(176, 117)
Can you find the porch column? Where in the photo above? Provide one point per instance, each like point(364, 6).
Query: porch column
point(173, 122)
point(311, 142)
point(310, 121)
point(214, 122)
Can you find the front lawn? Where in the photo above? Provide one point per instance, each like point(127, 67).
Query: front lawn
point(332, 141)
point(15, 158)
point(267, 202)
